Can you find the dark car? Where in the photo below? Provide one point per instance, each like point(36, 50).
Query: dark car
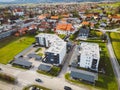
point(67, 88)
point(38, 80)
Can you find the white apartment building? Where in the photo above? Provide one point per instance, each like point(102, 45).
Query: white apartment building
point(89, 55)
point(56, 47)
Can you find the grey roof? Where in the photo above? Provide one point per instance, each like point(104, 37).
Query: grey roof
point(44, 67)
point(83, 31)
point(32, 55)
point(69, 43)
point(84, 75)
point(22, 62)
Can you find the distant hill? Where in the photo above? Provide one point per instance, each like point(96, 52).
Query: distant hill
point(36, 1)
point(52, 1)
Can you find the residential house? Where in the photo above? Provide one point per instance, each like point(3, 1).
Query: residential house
point(64, 28)
point(87, 24)
point(44, 26)
point(83, 34)
point(18, 12)
point(28, 23)
point(41, 17)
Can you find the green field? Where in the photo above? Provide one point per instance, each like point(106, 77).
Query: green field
point(11, 46)
point(115, 38)
point(111, 5)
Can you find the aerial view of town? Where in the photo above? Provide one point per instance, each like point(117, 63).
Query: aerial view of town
point(59, 44)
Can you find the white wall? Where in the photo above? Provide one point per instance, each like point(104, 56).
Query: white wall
point(62, 54)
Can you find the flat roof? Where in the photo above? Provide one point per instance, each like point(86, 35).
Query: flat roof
point(22, 62)
point(56, 43)
point(44, 67)
point(84, 75)
point(90, 50)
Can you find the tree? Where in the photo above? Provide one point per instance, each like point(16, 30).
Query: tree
point(104, 37)
point(75, 14)
point(117, 10)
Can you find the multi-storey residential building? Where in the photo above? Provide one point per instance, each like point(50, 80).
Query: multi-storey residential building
point(89, 55)
point(56, 47)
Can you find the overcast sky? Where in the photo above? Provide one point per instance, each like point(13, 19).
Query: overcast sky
point(6, 0)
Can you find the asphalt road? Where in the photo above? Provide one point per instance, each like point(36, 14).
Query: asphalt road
point(27, 77)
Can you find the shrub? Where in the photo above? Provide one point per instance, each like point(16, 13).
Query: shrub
point(38, 49)
point(40, 54)
point(8, 78)
point(41, 88)
point(55, 71)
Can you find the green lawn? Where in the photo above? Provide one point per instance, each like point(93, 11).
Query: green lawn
point(115, 38)
point(11, 46)
point(62, 36)
point(111, 5)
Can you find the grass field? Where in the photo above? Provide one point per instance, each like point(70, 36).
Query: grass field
point(111, 5)
point(115, 38)
point(11, 46)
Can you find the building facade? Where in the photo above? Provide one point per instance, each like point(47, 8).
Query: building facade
point(89, 56)
point(56, 48)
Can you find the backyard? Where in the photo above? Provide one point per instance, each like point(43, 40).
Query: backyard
point(11, 46)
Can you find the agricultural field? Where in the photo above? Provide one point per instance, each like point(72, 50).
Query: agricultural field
point(115, 39)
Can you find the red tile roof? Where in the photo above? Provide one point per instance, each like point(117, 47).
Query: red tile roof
point(54, 17)
point(65, 27)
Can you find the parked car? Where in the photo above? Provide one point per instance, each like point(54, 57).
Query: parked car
point(38, 80)
point(67, 88)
